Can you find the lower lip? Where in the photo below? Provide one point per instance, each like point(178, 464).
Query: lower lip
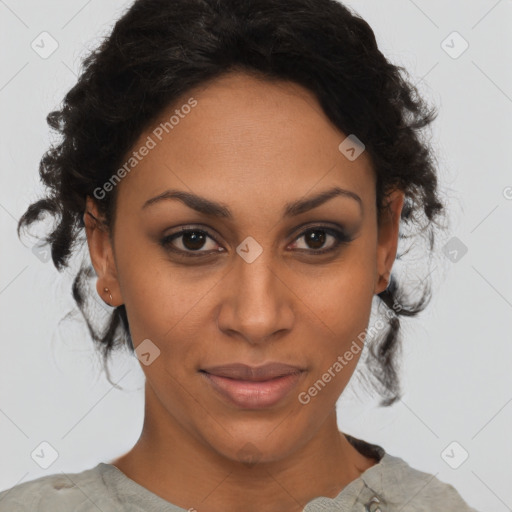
point(254, 395)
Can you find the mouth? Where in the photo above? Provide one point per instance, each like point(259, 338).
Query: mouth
point(240, 371)
point(253, 394)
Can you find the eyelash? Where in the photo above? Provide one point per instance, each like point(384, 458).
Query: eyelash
point(340, 239)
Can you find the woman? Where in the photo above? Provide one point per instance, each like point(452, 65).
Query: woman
point(242, 171)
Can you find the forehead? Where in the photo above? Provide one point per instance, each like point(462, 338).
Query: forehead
point(243, 138)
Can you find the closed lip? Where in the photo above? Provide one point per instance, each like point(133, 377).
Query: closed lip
point(240, 371)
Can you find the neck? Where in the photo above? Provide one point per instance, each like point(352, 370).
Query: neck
point(187, 471)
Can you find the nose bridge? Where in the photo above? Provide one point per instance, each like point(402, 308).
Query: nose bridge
point(254, 267)
point(258, 304)
point(257, 278)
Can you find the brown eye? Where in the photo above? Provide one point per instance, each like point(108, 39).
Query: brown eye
point(192, 241)
point(316, 237)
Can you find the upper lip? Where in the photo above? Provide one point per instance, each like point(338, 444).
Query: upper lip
point(242, 371)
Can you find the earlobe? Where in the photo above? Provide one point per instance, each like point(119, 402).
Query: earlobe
point(387, 244)
point(101, 253)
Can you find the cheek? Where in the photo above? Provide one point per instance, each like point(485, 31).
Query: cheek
point(338, 312)
point(151, 304)
point(165, 303)
point(161, 306)
point(341, 294)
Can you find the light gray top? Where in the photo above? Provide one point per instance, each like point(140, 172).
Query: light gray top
point(391, 485)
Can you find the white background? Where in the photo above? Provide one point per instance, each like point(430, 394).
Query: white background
point(457, 355)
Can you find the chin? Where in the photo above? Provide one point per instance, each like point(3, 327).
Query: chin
point(253, 447)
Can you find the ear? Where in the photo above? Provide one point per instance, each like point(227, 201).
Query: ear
point(388, 238)
point(102, 254)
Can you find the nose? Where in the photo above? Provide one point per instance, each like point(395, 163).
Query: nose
point(257, 302)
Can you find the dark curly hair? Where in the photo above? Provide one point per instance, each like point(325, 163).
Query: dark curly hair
point(160, 49)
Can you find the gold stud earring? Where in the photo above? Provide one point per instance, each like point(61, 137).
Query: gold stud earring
point(106, 290)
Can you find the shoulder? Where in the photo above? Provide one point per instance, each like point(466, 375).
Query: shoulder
point(401, 485)
point(392, 485)
point(61, 492)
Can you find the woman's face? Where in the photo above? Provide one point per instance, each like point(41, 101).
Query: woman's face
point(248, 285)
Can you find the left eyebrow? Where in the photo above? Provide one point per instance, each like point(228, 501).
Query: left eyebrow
point(215, 209)
point(304, 205)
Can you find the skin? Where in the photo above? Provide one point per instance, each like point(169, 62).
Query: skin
point(254, 146)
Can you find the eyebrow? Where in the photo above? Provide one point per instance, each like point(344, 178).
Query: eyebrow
point(215, 209)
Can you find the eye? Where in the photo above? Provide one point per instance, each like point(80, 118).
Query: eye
point(191, 241)
point(315, 237)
